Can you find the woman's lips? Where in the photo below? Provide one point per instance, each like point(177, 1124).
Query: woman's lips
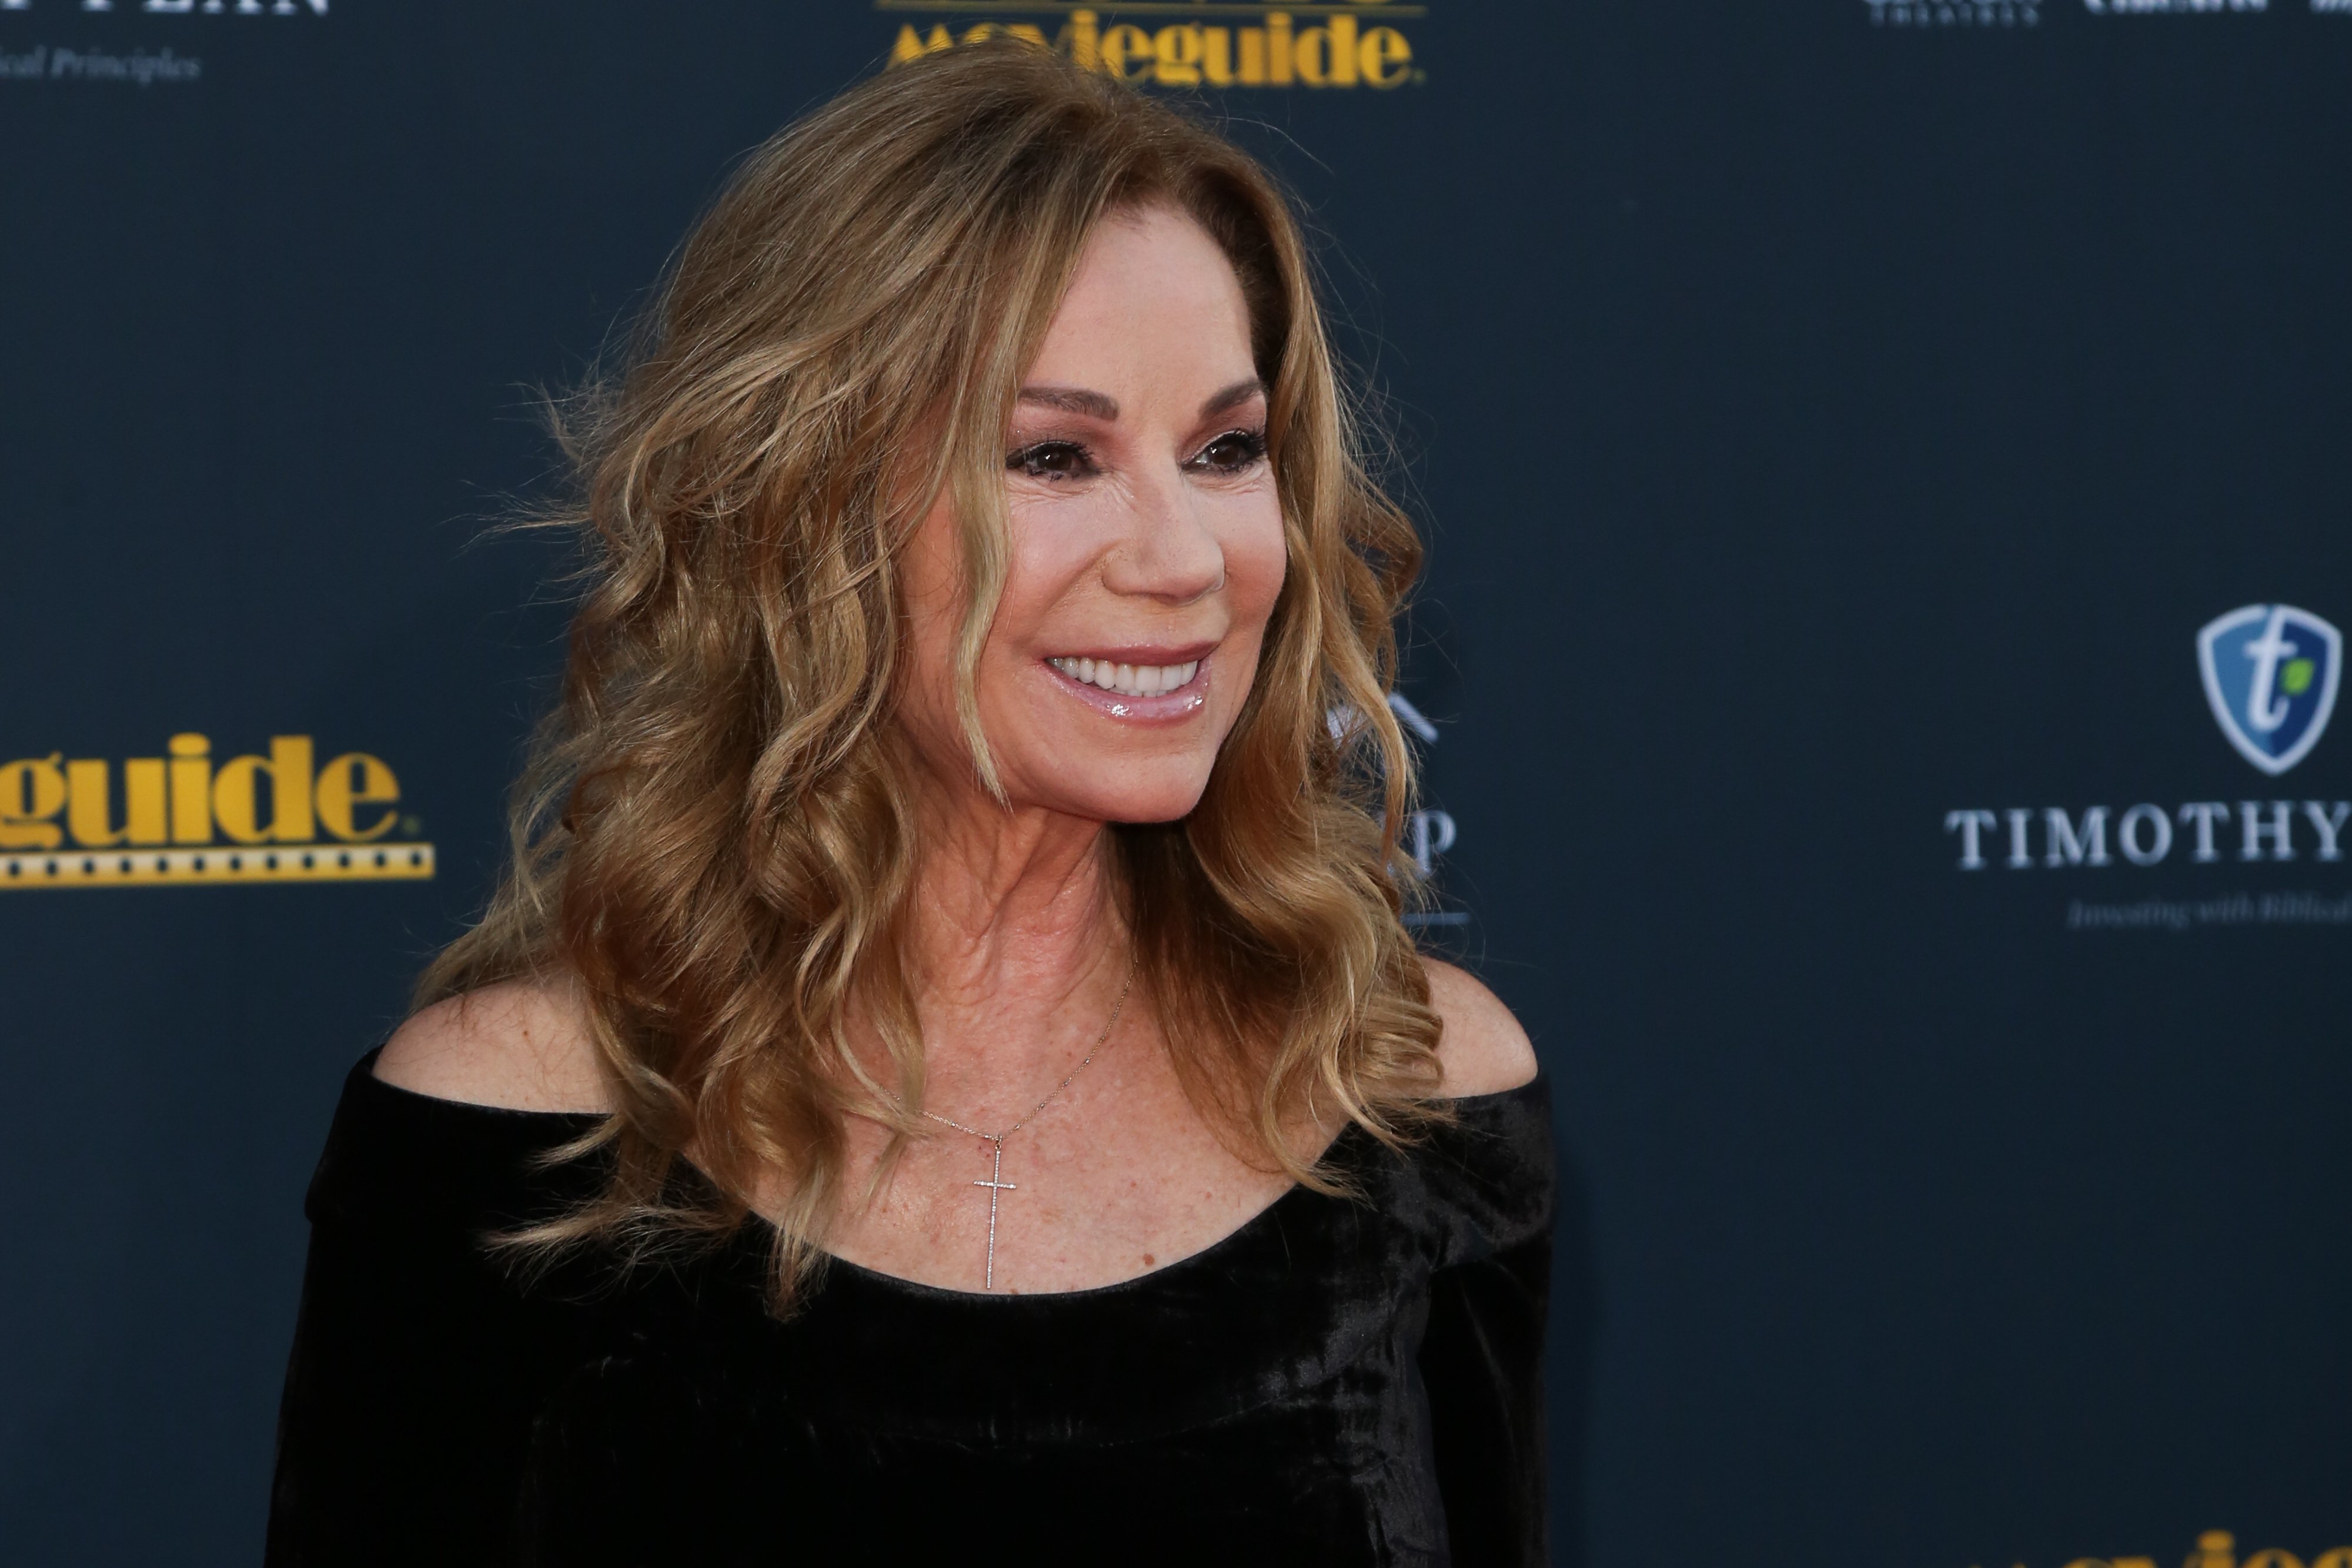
point(1177, 680)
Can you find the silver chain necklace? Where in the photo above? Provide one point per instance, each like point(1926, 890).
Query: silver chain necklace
point(996, 1183)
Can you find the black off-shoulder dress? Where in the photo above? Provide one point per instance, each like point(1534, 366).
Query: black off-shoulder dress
point(1340, 1381)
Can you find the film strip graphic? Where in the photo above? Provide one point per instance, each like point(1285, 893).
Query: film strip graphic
point(213, 865)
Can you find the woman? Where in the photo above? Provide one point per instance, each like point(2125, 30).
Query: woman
point(946, 1073)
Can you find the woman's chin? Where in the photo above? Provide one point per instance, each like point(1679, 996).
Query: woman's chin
point(1127, 802)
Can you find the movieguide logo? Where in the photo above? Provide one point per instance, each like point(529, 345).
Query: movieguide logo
point(2271, 674)
point(185, 818)
point(2219, 1548)
point(1342, 45)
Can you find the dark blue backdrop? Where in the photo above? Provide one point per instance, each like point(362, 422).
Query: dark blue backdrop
point(1830, 417)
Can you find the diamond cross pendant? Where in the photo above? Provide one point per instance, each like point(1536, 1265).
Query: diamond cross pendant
point(995, 1184)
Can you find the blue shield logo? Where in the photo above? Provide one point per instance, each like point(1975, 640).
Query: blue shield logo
point(2270, 672)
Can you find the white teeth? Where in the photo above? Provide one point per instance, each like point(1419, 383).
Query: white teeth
point(1128, 680)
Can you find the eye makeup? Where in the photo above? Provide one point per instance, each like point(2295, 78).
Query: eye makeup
point(1233, 452)
point(1052, 460)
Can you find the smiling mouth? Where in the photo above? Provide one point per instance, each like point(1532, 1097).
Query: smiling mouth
point(1128, 680)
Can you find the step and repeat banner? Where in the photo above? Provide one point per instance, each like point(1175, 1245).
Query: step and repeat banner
point(1888, 469)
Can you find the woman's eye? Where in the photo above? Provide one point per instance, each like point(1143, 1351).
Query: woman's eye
point(1232, 451)
point(1052, 460)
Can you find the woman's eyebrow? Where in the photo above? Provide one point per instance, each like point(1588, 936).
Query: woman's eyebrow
point(1073, 400)
point(1094, 405)
point(1233, 396)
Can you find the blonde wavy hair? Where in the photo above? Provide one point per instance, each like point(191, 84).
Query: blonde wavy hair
point(715, 839)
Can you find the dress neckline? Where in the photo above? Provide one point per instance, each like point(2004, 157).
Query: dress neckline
point(1344, 1146)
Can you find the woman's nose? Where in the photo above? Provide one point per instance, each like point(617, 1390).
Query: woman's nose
point(1169, 552)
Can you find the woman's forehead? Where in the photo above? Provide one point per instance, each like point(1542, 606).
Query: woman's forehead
point(1153, 301)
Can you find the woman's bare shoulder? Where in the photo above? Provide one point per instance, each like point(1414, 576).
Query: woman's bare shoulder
point(1483, 1050)
point(521, 1044)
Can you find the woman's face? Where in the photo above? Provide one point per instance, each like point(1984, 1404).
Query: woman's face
point(1146, 542)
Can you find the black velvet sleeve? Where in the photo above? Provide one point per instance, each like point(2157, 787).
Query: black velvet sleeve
point(1481, 1354)
point(418, 1361)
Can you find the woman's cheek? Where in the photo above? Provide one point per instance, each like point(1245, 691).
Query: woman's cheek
point(1255, 567)
point(1054, 546)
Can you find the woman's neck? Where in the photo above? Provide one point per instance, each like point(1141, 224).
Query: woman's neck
point(1015, 940)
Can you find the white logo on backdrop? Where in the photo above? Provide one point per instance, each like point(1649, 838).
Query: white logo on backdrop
point(2269, 674)
point(1981, 15)
point(186, 8)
